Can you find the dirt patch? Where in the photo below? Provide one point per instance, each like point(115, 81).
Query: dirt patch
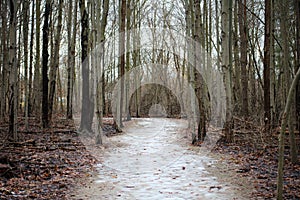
point(227, 172)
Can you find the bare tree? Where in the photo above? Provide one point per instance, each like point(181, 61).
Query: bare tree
point(30, 88)
point(226, 65)
point(70, 67)
point(36, 100)
point(297, 10)
point(45, 54)
point(266, 72)
point(243, 49)
point(100, 70)
point(4, 46)
point(122, 18)
point(71, 56)
point(13, 101)
point(199, 82)
point(128, 26)
point(25, 40)
point(55, 60)
point(86, 109)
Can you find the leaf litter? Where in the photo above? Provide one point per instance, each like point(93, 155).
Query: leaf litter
point(43, 164)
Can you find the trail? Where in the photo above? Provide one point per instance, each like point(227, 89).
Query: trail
point(153, 160)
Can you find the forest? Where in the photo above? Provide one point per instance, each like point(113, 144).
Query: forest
point(130, 90)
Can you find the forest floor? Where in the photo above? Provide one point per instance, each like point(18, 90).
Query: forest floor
point(58, 163)
point(260, 164)
point(44, 164)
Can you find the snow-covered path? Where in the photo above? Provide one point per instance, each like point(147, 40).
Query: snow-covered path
point(152, 160)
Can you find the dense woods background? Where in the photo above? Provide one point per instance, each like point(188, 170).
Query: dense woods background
point(255, 44)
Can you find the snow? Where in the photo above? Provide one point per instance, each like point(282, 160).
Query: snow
point(155, 162)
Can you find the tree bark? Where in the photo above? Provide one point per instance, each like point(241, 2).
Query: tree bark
point(69, 66)
point(190, 31)
point(135, 58)
point(45, 54)
point(297, 10)
point(36, 102)
point(122, 58)
point(25, 42)
point(55, 61)
point(266, 71)
point(237, 89)
point(128, 24)
point(272, 68)
point(226, 66)
point(71, 63)
point(217, 33)
point(86, 120)
point(100, 70)
point(31, 61)
point(243, 49)
point(13, 105)
point(199, 85)
point(5, 64)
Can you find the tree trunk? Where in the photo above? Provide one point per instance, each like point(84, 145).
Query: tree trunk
point(128, 21)
point(226, 66)
point(36, 102)
point(71, 61)
point(69, 66)
point(272, 69)
point(45, 54)
point(292, 138)
point(25, 42)
point(5, 64)
point(13, 105)
point(198, 81)
point(122, 58)
point(100, 68)
point(190, 31)
point(86, 120)
point(237, 89)
point(55, 61)
point(135, 57)
point(266, 72)
point(217, 33)
point(60, 91)
point(31, 61)
point(91, 57)
point(243, 49)
point(297, 10)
